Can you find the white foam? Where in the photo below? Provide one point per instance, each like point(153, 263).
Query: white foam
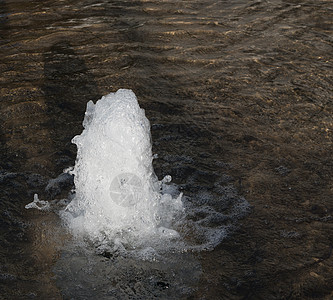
point(119, 199)
point(119, 203)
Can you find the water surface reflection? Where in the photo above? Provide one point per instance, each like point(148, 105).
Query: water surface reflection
point(239, 94)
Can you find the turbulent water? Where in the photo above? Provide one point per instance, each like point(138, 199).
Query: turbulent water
point(119, 204)
point(118, 199)
point(239, 98)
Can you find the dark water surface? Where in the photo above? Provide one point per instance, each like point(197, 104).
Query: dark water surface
point(239, 95)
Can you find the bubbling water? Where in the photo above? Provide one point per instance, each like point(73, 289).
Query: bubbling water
point(120, 205)
point(118, 199)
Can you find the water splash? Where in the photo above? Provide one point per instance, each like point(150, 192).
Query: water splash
point(38, 204)
point(120, 206)
point(119, 199)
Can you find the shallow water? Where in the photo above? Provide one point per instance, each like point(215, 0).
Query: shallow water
point(239, 95)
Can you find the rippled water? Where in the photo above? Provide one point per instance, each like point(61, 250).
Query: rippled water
point(239, 95)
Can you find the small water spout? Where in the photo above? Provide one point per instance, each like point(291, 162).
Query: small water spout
point(119, 199)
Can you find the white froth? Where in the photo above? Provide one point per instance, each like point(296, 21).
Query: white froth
point(119, 203)
point(118, 196)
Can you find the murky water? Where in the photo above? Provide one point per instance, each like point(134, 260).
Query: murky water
point(239, 95)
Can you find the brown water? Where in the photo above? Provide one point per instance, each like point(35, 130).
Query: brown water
point(239, 94)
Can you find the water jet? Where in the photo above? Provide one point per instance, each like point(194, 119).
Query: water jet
point(118, 198)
